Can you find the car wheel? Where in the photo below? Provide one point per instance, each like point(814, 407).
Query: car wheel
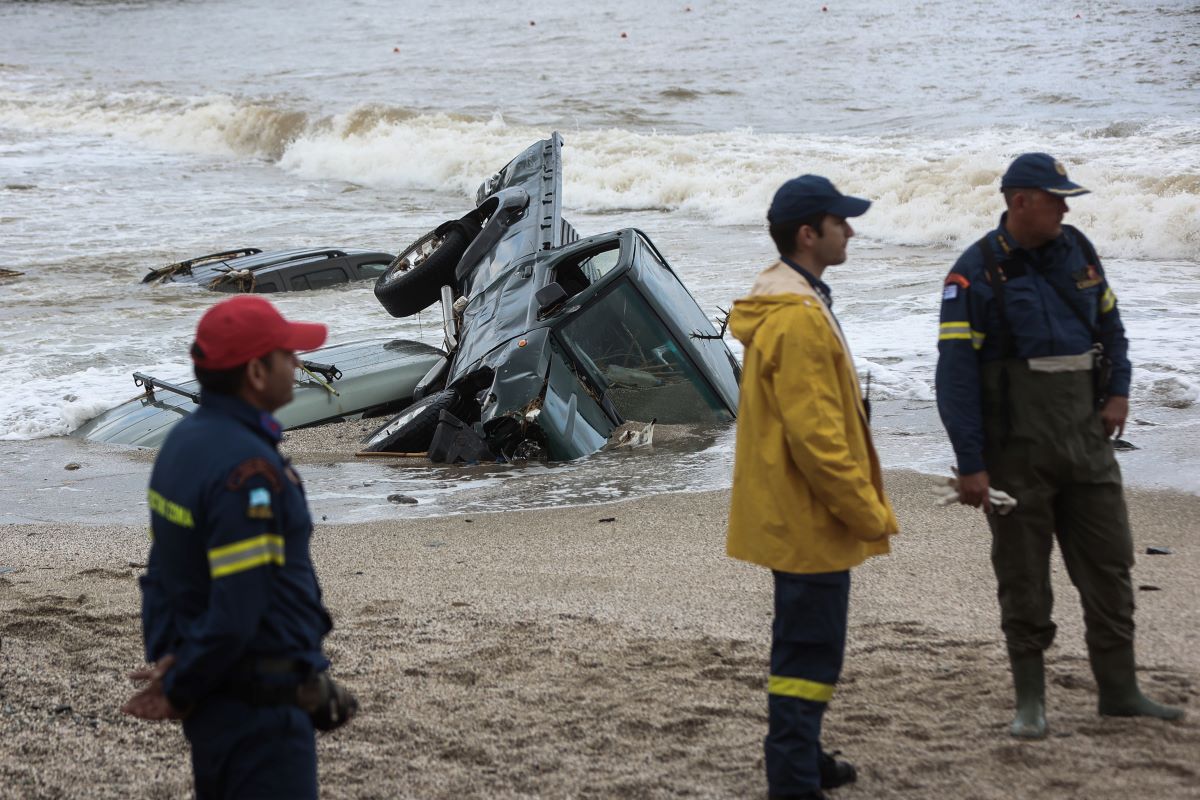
point(412, 429)
point(415, 278)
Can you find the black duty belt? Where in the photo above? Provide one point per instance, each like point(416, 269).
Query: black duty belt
point(267, 681)
point(270, 666)
point(328, 704)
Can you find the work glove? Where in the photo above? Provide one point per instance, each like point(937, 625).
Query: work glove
point(329, 704)
point(947, 494)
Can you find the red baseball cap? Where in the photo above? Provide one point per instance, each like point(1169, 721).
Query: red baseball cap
point(246, 327)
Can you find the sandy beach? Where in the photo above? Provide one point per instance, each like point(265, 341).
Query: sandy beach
point(610, 651)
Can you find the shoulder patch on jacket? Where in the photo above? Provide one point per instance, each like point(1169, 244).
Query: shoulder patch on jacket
point(958, 279)
point(259, 505)
point(1087, 277)
point(250, 468)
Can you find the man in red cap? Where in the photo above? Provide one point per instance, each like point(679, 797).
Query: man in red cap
point(231, 610)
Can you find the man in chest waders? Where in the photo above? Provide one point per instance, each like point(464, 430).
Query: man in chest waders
point(1032, 381)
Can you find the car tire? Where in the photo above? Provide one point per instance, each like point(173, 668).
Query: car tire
point(412, 429)
point(414, 279)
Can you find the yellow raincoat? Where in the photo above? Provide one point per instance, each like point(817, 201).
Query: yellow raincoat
point(807, 488)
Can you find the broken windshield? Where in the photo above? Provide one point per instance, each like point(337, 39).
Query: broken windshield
point(635, 360)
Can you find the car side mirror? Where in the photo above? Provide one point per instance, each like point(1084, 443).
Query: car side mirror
point(550, 297)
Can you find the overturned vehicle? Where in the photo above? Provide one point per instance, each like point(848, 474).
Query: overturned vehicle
point(553, 341)
point(339, 382)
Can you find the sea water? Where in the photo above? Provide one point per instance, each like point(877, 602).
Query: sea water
point(137, 133)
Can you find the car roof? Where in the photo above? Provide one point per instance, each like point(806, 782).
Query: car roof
point(280, 257)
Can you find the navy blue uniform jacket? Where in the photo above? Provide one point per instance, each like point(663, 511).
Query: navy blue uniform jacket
point(1039, 319)
point(229, 575)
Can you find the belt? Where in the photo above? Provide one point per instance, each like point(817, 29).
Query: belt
point(1078, 363)
point(266, 665)
point(256, 680)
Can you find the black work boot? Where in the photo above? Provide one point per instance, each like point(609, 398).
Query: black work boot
point(1029, 680)
point(834, 771)
point(1116, 678)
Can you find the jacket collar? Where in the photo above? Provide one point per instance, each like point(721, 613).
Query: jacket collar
point(779, 278)
point(822, 289)
point(263, 423)
point(1005, 246)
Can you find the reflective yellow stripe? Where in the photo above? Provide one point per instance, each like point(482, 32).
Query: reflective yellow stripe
point(171, 512)
point(798, 687)
point(961, 330)
point(246, 554)
point(1107, 301)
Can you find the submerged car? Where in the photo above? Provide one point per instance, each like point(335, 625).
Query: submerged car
point(338, 382)
point(249, 269)
point(553, 341)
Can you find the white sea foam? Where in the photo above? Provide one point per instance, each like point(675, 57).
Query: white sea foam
point(928, 191)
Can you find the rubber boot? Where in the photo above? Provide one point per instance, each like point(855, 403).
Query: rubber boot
point(834, 771)
point(1116, 678)
point(1029, 680)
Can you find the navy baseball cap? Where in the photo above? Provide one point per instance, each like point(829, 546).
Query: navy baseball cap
point(807, 195)
point(1040, 171)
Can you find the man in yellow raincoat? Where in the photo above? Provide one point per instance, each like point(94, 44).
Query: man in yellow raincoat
point(808, 500)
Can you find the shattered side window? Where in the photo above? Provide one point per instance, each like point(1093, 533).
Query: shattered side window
point(640, 366)
point(580, 272)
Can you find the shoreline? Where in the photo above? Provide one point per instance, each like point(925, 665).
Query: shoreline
point(612, 650)
point(38, 486)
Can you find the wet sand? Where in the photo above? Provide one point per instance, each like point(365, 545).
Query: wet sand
point(612, 651)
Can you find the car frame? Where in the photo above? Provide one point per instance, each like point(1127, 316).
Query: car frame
point(249, 269)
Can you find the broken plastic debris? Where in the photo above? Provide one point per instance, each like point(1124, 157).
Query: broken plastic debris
point(630, 437)
point(1158, 551)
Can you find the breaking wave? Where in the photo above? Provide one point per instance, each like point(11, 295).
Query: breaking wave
point(1145, 177)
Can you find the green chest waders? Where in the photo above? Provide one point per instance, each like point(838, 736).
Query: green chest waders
point(1048, 449)
point(1045, 445)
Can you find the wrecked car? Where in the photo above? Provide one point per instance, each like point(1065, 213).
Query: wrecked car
point(553, 341)
point(249, 269)
point(336, 383)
